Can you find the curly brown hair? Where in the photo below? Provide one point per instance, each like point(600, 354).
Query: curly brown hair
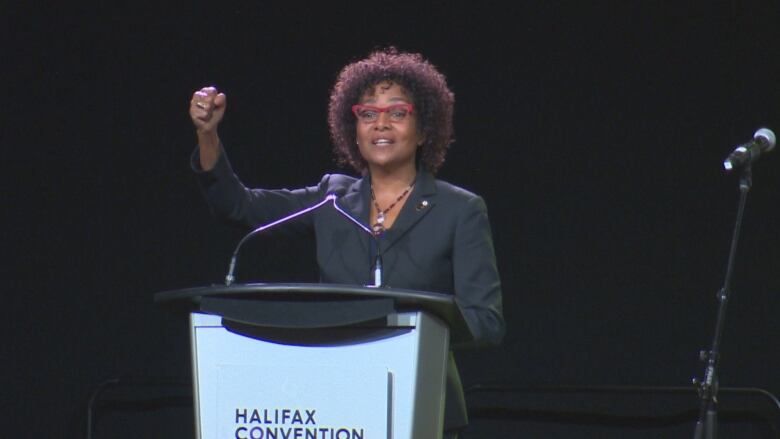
point(433, 104)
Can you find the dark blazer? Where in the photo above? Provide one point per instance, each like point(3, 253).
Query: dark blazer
point(440, 242)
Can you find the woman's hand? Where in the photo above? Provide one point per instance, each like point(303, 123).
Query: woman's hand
point(207, 107)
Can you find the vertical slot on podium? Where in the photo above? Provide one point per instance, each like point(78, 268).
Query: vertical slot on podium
point(390, 399)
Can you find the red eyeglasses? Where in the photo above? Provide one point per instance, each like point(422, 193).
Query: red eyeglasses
point(370, 114)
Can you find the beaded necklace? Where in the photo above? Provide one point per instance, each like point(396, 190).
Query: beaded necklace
point(379, 227)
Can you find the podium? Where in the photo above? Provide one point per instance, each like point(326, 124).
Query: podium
point(319, 361)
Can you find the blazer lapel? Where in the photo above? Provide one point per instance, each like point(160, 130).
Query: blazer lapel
point(420, 202)
point(355, 203)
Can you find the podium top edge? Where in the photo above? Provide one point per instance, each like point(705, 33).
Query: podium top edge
point(320, 290)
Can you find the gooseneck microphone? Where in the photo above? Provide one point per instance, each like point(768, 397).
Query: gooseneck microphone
point(229, 278)
point(745, 154)
point(377, 270)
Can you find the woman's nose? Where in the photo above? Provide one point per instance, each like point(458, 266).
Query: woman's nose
point(382, 121)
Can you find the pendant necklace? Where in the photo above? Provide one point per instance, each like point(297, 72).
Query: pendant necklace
point(379, 227)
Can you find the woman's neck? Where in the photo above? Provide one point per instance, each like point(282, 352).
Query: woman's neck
point(396, 180)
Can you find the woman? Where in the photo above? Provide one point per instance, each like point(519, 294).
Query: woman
point(390, 118)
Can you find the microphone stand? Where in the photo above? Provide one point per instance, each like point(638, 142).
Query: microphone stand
point(377, 269)
point(706, 426)
point(229, 278)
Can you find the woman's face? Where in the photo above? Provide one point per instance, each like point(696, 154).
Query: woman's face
point(390, 142)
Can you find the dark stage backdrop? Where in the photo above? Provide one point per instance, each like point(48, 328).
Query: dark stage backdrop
point(594, 132)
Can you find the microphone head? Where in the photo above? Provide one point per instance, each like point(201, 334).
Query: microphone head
point(766, 138)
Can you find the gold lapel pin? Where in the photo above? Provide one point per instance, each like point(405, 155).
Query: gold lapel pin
point(421, 205)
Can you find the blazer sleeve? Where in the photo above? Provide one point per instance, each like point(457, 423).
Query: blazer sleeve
point(476, 277)
point(231, 201)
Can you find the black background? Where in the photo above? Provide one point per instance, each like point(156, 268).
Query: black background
point(594, 130)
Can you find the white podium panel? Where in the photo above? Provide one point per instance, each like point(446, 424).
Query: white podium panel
point(388, 386)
